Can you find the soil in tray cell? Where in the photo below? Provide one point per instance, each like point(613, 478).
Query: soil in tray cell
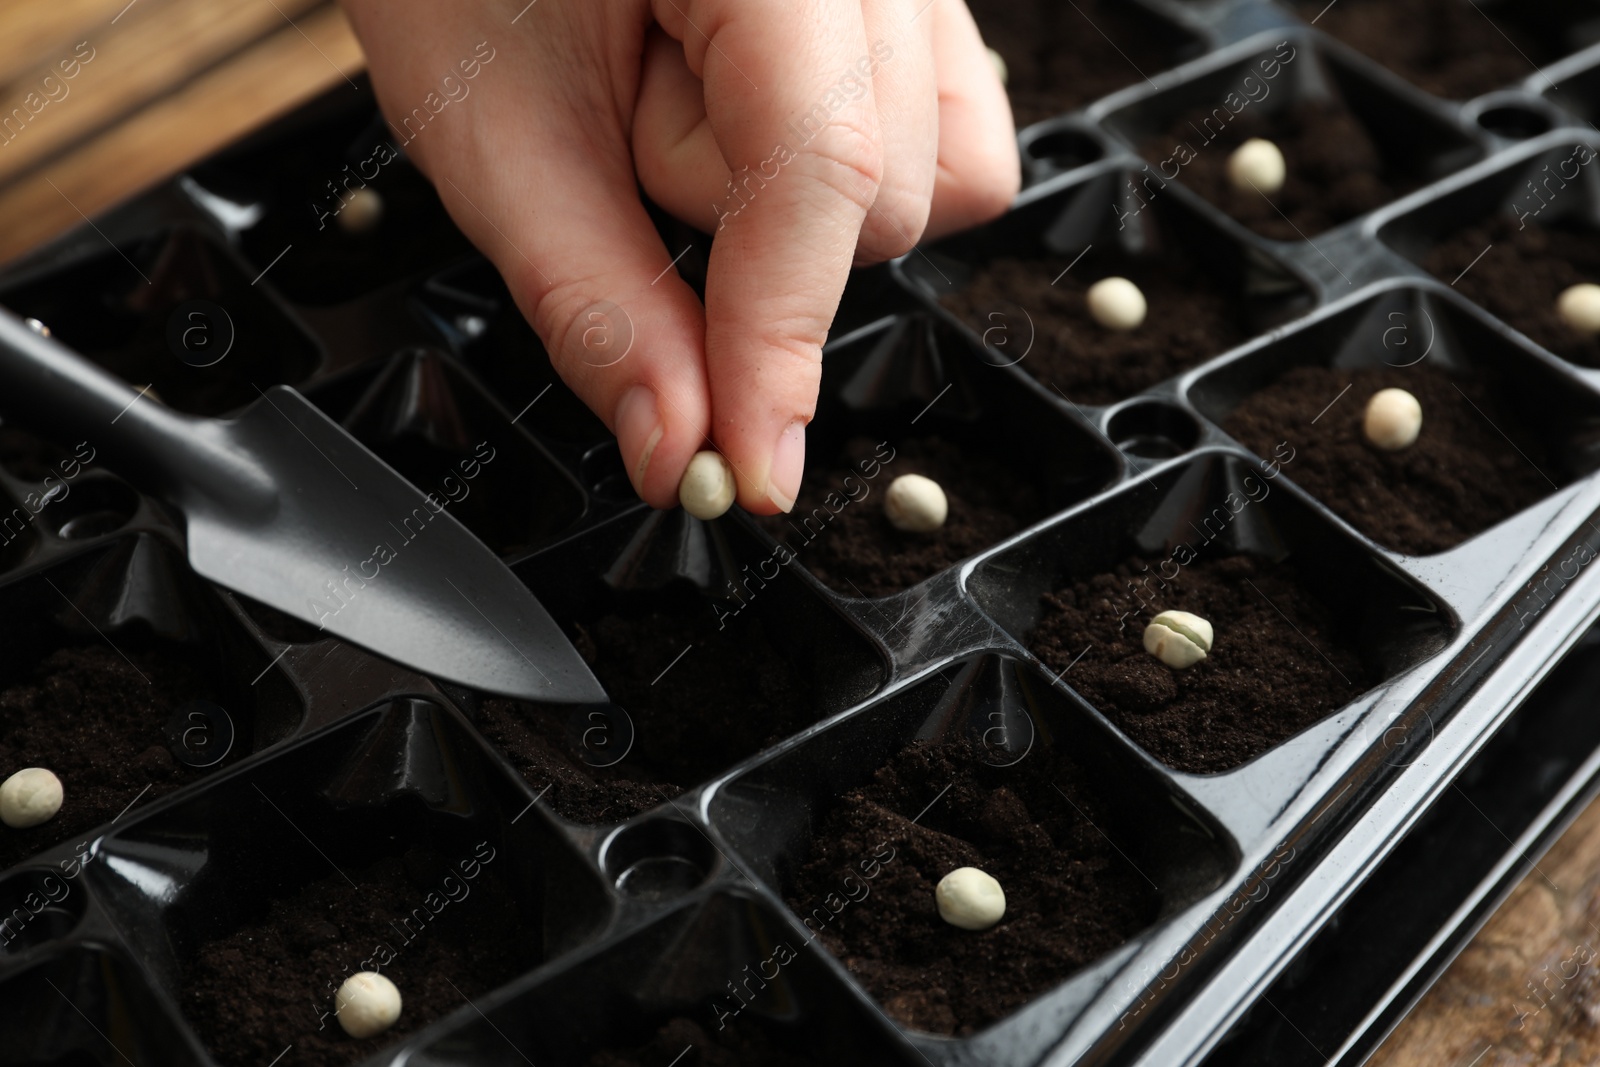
point(1452, 48)
point(1070, 896)
point(698, 698)
point(1334, 169)
point(98, 718)
point(1518, 269)
point(839, 532)
point(271, 983)
point(1191, 318)
point(1276, 666)
point(1060, 57)
point(1460, 477)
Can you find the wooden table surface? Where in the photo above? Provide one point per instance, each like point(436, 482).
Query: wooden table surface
point(159, 84)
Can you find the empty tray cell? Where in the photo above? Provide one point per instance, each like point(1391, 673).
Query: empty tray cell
point(699, 683)
point(425, 416)
point(124, 675)
point(1514, 241)
point(133, 311)
point(913, 398)
point(1018, 286)
point(1502, 428)
point(1059, 57)
point(985, 765)
point(1351, 143)
point(720, 983)
point(470, 305)
point(1459, 48)
point(327, 204)
point(89, 1007)
point(1306, 619)
point(393, 843)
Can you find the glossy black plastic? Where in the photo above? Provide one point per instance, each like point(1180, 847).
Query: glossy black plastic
point(415, 345)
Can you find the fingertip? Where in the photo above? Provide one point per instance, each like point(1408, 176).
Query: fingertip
point(788, 465)
point(656, 446)
point(769, 484)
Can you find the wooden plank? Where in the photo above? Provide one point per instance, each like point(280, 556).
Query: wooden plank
point(32, 33)
point(1527, 988)
point(153, 49)
point(208, 113)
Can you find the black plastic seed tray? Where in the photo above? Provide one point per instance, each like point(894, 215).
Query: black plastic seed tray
point(638, 883)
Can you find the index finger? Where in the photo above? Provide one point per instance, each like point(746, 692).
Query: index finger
point(788, 92)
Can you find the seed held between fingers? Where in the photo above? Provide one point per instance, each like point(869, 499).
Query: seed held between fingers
point(999, 65)
point(362, 212)
point(707, 488)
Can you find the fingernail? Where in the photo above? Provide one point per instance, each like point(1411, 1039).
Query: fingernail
point(788, 463)
point(638, 422)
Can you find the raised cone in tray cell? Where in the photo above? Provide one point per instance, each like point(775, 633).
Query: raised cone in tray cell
point(98, 307)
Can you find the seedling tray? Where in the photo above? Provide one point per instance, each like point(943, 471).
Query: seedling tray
point(646, 876)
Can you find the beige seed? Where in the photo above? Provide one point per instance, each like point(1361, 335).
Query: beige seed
point(707, 488)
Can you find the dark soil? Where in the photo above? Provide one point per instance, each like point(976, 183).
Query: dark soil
point(1062, 56)
point(1070, 896)
point(99, 723)
point(265, 985)
point(1191, 318)
point(1278, 664)
point(856, 551)
point(1335, 171)
point(730, 695)
point(1522, 275)
point(683, 1043)
point(1452, 48)
point(1458, 479)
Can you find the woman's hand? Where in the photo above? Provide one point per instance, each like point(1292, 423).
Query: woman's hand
point(850, 129)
